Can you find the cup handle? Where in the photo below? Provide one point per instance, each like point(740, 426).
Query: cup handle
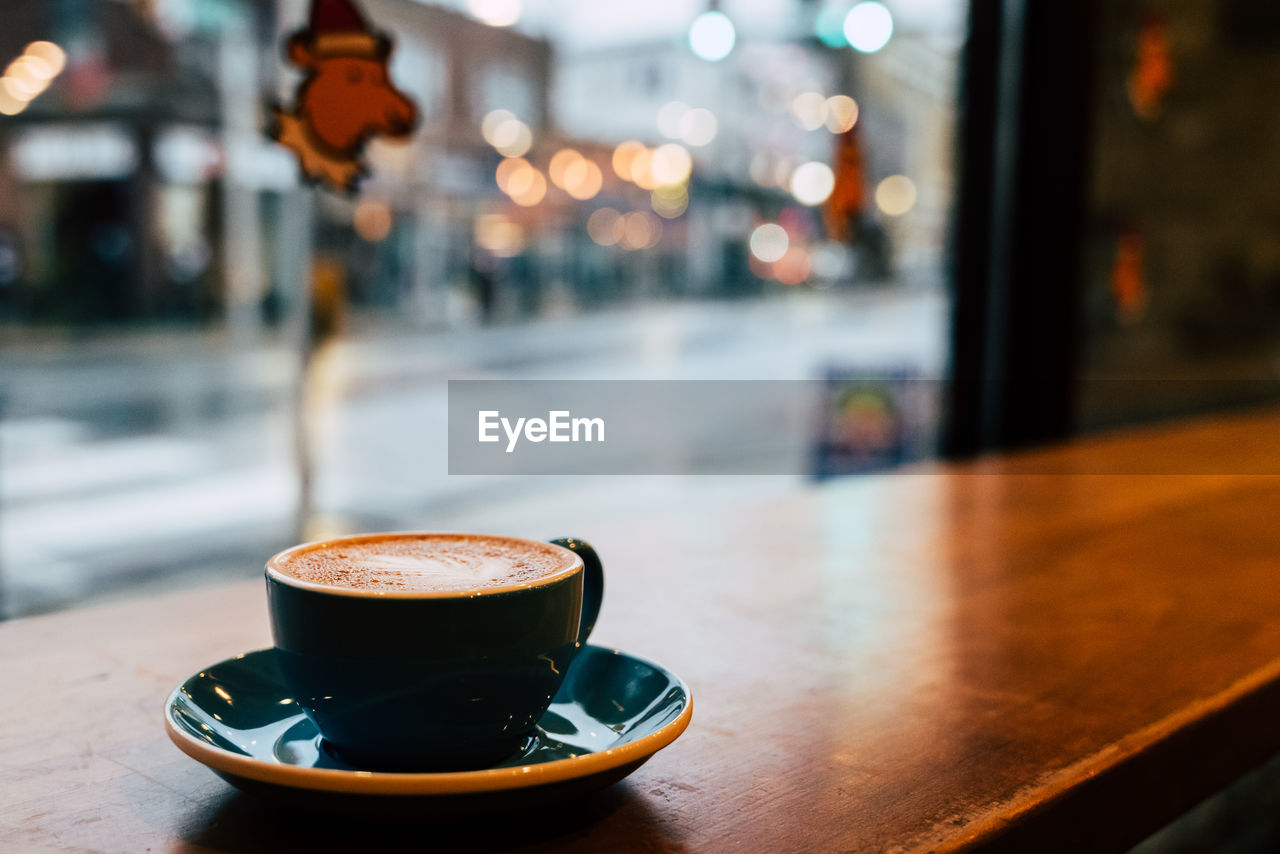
point(592, 583)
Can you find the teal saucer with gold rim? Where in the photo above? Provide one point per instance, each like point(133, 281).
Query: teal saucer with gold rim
point(612, 713)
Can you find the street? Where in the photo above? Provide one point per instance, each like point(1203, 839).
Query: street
point(160, 460)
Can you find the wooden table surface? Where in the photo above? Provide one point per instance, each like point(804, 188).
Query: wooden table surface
point(1000, 656)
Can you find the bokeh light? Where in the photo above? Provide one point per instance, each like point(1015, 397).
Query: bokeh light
point(20, 83)
point(372, 220)
point(671, 164)
point(21, 72)
point(18, 89)
point(842, 113)
point(712, 36)
point(809, 109)
point(9, 105)
point(499, 235)
point(490, 123)
point(670, 116)
point(496, 13)
point(604, 226)
point(769, 242)
point(29, 75)
point(32, 67)
point(698, 127)
point(624, 156)
point(640, 230)
point(793, 267)
point(512, 138)
point(530, 195)
point(642, 170)
point(521, 181)
point(52, 55)
point(561, 161)
point(896, 195)
point(868, 26)
point(583, 179)
point(812, 183)
point(514, 176)
point(670, 200)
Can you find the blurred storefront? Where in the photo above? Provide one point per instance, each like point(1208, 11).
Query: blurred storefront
point(142, 169)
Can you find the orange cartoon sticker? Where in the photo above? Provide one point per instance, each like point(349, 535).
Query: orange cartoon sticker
point(345, 99)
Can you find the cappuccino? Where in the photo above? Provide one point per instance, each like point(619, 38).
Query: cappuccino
point(422, 563)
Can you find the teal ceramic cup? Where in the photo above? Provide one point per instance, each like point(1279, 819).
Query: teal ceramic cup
point(431, 681)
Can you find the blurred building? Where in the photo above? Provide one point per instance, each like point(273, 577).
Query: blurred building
point(106, 174)
point(139, 186)
point(136, 178)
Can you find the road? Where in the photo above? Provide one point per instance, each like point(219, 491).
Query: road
point(163, 460)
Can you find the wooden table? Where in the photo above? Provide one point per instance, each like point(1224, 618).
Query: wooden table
point(1000, 656)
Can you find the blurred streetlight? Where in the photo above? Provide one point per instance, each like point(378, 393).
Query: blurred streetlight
point(53, 56)
point(496, 13)
point(896, 195)
point(868, 26)
point(812, 183)
point(561, 161)
point(492, 120)
point(499, 235)
point(532, 194)
point(670, 200)
point(583, 179)
point(512, 138)
point(625, 155)
point(712, 36)
point(671, 164)
point(842, 113)
point(29, 75)
point(769, 242)
point(809, 110)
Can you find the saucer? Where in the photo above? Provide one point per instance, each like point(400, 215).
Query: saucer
point(613, 712)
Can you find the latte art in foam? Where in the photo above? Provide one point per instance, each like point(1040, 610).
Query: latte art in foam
point(449, 571)
point(432, 563)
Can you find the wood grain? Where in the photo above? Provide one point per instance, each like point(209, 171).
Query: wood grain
point(996, 656)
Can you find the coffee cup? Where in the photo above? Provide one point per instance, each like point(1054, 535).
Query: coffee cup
point(430, 652)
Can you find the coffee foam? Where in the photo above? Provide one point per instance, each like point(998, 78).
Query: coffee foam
point(423, 564)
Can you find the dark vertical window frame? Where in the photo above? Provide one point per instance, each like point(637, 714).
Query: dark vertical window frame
point(1025, 99)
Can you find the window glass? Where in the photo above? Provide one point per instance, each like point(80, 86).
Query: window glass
point(1183, 270)
point(204, 359)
